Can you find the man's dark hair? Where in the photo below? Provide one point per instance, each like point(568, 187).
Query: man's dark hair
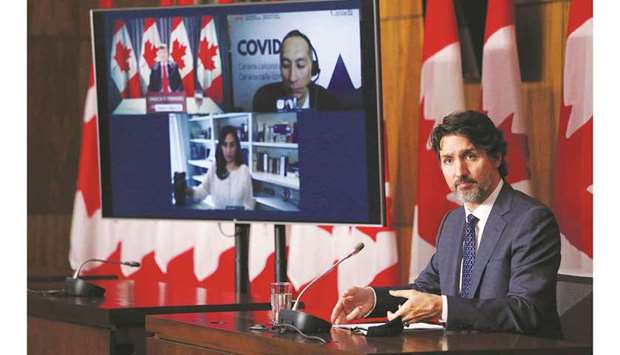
point(220, 162)
point(479, 129)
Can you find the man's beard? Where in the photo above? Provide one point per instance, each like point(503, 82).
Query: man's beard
point(476, 194)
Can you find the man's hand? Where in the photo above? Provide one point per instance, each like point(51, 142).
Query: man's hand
point(353, 304)
point(419, 306)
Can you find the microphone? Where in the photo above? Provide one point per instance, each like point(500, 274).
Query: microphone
point(75, 286)
point(303, 321)
point(356, 250)
point(127, 263)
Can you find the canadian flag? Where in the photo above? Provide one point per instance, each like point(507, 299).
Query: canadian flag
point(123, 64)
point(572, 203)
point(501, 89)
point(209, 69)
point(441, 93)
point(150, 45)
point(181, 54)
point(89, 234)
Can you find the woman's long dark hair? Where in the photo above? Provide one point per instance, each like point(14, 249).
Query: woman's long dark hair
point(220, 162)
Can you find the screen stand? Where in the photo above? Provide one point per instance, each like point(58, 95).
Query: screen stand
point(280, 252)
point(242, 246)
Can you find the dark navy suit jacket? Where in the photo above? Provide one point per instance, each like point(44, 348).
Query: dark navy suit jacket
point(155, 79)
point(515, 273)
point(267, 95)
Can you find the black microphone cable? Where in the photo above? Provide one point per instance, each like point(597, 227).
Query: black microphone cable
point(305, 336)
point(46, 292)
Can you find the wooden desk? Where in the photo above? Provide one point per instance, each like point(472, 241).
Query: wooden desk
point(227, 332)
point(115, 324)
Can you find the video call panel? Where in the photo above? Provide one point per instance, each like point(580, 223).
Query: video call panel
point(261, 115)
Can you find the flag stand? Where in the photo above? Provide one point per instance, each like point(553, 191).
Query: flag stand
point(242, 239)
point(280, 253)
point(242, 234)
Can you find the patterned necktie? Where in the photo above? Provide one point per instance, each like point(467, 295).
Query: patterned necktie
point(469, 254)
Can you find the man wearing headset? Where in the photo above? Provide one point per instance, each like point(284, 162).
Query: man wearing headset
point(298, 65)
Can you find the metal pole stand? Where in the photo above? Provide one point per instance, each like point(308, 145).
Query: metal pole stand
point(242, 246)
point(280, 253)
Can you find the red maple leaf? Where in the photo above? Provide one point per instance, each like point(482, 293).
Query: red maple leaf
point(122, 56)
point(372, 232)
point(328, 229)
point(178, 52)
point(150, 53)
point(206, 52)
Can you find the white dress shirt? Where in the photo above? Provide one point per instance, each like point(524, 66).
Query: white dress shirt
point(234, 190)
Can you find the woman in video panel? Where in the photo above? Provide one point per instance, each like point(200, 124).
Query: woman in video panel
point(230, 183)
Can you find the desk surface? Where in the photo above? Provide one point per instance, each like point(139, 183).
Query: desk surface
point(127, 302)
point(228, 332)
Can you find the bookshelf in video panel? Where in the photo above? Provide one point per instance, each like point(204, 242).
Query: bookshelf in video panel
point(268, 147)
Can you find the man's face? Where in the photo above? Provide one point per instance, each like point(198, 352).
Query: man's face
point(296, 66)
point(471, 173)
point(162, 54)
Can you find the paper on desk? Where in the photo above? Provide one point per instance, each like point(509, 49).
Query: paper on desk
point(413, 326)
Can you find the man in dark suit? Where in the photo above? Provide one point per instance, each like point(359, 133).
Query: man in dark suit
point(497, 257)
point(169, 75)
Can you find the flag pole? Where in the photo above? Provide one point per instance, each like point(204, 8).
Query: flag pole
point(242, 247)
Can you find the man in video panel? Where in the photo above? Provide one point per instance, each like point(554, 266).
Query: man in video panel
point(166, 80)
point(497, 257)
point(298, 65)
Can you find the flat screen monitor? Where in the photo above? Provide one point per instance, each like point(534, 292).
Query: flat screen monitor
point(243, 112)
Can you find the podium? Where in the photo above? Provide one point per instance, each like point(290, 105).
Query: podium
point(192, 105)
point(114, 324)
point(171, 102)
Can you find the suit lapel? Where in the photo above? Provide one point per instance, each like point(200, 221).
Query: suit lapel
point(455, 255)
point(492, 233)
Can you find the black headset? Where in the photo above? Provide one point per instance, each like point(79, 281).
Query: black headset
point(315, 70)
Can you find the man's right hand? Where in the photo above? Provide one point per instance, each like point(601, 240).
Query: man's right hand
point(354, 303)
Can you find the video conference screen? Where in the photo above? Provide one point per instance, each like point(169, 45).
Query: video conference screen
point(245, 112)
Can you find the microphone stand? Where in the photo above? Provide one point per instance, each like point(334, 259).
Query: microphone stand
point(77, 287)
point(305, 322)
point(242, 279)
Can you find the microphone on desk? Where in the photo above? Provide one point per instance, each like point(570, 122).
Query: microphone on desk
point(75, 286)
point(303, 321)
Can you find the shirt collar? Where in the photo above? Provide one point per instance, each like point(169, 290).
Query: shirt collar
point(484, 209)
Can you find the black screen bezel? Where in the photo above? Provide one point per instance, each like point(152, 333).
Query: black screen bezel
point(371, 88)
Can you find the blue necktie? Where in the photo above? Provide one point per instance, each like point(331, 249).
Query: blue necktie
point(469, 254)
